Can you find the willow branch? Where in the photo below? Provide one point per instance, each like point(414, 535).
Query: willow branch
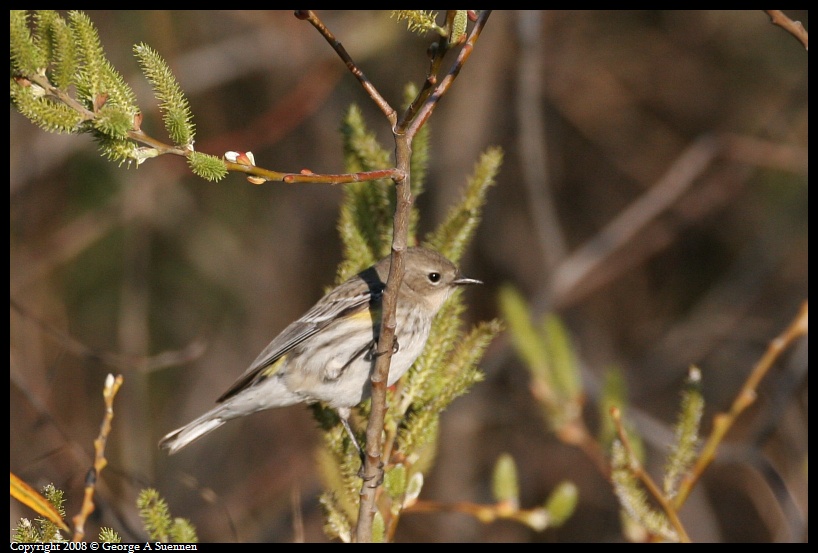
point(373, 466)
point(647, 481)
point(689, 166)
point(256, 175)
point(746, 397)
point(109, 392)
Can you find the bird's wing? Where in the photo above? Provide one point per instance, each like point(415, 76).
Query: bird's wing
point(336, 304)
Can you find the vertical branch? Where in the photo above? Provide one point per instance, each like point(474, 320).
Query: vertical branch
point(373, 467)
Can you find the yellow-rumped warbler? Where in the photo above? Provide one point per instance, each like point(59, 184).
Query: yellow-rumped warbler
point(328, 354)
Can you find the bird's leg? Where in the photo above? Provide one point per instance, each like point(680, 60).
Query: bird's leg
point(343, 414)
point(351, 434)
point(373, 350)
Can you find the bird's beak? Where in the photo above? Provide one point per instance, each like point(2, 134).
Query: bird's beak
point(465, 280)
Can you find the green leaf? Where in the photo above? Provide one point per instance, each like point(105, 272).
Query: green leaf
point(109, 535)
point(96, 78)
point(418, 21)
point(64, 54)
point(113, 121)
point(565, 370)
point(526, 339)
point(395, 481)
point(365, 224)
point(458, 26)
point(155, 514)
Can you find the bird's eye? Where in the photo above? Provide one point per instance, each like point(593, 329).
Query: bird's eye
point(434, 277)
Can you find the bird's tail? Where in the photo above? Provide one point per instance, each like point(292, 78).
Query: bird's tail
point(265, 394)
point(194, 430)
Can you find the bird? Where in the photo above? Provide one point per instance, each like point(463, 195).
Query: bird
point(328, 354)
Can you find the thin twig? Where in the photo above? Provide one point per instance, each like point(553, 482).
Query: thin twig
point(345, 178)
point(437, 51)
point(795, 28)
point(109, 392)
point(370, 89)
point(536, 518)
point(746, 396)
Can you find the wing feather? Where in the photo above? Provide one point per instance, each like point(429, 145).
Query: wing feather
point(336, 304)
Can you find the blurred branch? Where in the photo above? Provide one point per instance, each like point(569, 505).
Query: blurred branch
point(746, 396)
point(532, 142)
point(689, 166)
point(584, 263)
point(537, 518)
point(192, 351)
point(795, 28)
point(765, 153)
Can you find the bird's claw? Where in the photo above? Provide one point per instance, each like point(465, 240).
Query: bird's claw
point(372, 481)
